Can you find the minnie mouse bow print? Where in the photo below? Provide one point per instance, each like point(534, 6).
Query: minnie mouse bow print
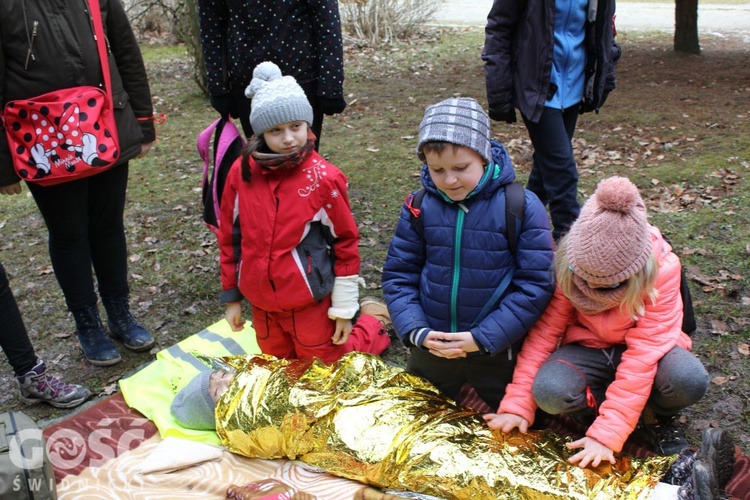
point(60, 135)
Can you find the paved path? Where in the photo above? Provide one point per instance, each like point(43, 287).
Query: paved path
point(630, 16)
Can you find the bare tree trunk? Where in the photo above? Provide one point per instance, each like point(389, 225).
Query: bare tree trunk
point(686, 27)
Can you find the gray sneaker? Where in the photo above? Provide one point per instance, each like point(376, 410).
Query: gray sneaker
point(38, 385)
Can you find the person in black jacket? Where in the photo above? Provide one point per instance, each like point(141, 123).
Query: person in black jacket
point(551, 59)
point(302, 38)
point(47, 46)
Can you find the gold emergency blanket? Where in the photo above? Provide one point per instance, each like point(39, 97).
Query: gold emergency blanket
point(363, 419)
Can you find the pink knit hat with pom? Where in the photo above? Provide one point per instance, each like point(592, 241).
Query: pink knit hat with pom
point(610, 240)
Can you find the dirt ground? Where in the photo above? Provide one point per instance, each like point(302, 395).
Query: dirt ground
point(642, 69)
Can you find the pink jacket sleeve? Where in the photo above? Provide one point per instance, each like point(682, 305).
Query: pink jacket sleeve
point(541, 341)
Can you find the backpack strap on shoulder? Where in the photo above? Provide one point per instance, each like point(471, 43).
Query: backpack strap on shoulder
point(515, 208)
point(204, 139)
point(414, 203)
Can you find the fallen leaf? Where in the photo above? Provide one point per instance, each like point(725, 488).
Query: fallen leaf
point(110, 389)
point(744, 349)
point(719, 380)
point(719, 327)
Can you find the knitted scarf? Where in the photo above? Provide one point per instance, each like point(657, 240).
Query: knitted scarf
point(595, 300)
point(289, 161)
point(274, 161)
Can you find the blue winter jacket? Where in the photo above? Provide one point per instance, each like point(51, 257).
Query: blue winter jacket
point(519, 49)
point(444, 282)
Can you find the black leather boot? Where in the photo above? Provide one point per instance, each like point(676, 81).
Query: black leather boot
point(96, 345)
point(123, 326)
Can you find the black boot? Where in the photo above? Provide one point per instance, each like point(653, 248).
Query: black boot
point(710, 469)
point(123, 326)
point(665, 436)
point(96, 345)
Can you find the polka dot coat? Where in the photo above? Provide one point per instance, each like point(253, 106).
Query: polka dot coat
point(302, 37)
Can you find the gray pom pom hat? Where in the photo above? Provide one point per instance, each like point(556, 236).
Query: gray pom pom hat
point(276, 99)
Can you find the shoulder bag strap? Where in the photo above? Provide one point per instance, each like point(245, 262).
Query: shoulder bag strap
point(101, 45)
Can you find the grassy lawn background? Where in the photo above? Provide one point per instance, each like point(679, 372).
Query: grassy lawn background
point(679, 127)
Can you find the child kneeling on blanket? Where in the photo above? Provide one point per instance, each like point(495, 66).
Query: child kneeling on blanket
point(696, 474)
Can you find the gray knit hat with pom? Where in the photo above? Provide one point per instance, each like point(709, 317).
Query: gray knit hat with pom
point(193, 407)
point(460, 121)
point(276, 99)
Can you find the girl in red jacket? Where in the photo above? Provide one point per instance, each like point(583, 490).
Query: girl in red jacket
point(288, 239)
point(609, 348)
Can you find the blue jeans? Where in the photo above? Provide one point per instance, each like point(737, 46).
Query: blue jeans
point(554, 176)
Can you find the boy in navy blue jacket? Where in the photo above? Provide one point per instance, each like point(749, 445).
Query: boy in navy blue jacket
point(442, 277)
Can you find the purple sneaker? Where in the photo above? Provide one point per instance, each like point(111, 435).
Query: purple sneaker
point(38, 385)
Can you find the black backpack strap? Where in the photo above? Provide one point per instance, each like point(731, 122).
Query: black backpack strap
point(413, 203)
point(515, 208)
point(689, 323)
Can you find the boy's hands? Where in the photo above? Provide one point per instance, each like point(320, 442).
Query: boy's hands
point(506, 422)
point(343, 329)
point(450, 344)
point(233, 315)
point(593, 452)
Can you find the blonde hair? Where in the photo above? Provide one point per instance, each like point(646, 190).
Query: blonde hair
point(640, 286)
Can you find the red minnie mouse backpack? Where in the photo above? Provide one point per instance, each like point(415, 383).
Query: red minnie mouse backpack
point(227, 145)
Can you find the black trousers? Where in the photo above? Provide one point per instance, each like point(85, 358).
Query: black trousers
point(14, 339)
point(85, 224)
point(489, 375)
point(554, 176)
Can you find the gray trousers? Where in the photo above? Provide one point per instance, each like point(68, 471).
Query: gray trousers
point(560, 385)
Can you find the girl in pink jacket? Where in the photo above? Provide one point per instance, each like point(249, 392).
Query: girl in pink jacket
point(288, 238)
point(609, 348)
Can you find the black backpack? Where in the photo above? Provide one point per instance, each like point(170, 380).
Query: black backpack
point(689, 324)
point(515, 204)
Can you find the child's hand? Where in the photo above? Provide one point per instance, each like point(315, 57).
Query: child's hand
point(343, 329)
point(233, 315)
point(593, 452)
point(506, 422)
point(450, 345)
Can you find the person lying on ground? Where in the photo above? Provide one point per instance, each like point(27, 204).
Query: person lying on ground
point(365, 420)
